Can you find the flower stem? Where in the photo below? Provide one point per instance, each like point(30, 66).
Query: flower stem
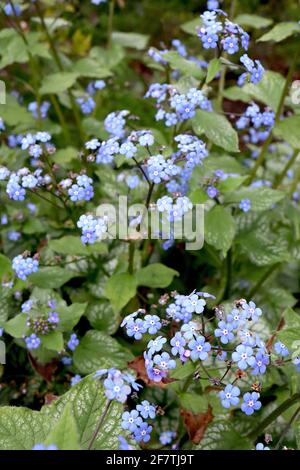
point(101, 421)
point(261, 158)
point(110, 22)
point(289, 164)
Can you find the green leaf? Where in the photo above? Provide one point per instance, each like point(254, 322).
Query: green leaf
point(253, 21)
point(102, 317)
point(156, 275)
point(21, 428)
point(14, 114)
point(119, 289)
point(5, 265)
point(183, 371)
point(290, 332)
point(54, 341)
point(191, 27)
point(281, 31)
point(217, 129)
point(64, 433)
point(87, 401)
point(219, 228)
point(58, 82)
point(268, 90)
point(51, 277)
point(99, 351)
point(88, 67)
point(186, 67)
point(236, 93)
point(5, 304)
point(288, 130)
point(261, 198)
point(194, 403)
point(64, 156)
point(214, 67)
point(131, 40)
point(69, 245)
point(17, 326)
point(70, 316)
point(221, 435)
point(231, 183)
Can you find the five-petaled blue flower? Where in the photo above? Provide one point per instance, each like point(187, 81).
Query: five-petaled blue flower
point(251, 403)
point(199, 348)
point(243, 355)
point(230, 396)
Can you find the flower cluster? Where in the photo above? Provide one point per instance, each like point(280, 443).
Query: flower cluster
point(117, 384)
point(82, 190)
point(216, 32)
point(133, 421)
point(175, 107)
point(203, 344)
point(254, 71)
point(258, 124)
point(93, 228)
point(24, 266)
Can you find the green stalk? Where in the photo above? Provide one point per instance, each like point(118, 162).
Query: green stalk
point(289, 164)
point(61, 68)
point(263, 279)
point(100, 423)
point(261, 158)
point(110, 22)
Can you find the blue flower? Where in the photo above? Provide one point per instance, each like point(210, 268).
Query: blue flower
point(245, 205)
point(261, 361)
point(75, 380)
point(281, 349)
point(131, 420)
point(164, 362)
point(260, 446)
point(73, 342)
point(136, 328)
point(243, 355)
point(251, 403)
point(146, 410)
point(32, 341)
point(193, 304)
point(237, 318)
point(230, 44)
point(199, 348)
point(26, 306)
point(190, 330)
point(152, 324)
point(133, 181)
point(252, 312)
point(115, 388)
point(124, 444)
point(212, 192)
point(224, 332)
point(230, 396)
point(130, 379)
point(178, 342)
point(128, 149)
point(23, 267)
point(156, 345)
point(296, 362)
point(166, 437)
point(142, 433)
point(43, 447)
